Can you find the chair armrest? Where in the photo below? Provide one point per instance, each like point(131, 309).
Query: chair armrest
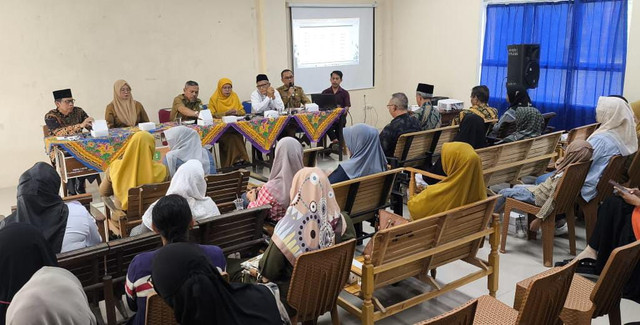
point(114, 212)
point(412, 180)
point(393, 162)
point(97, 214)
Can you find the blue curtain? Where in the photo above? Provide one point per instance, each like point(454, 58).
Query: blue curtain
point(583, 47)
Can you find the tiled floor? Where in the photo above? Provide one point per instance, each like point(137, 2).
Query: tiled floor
point(523, 259)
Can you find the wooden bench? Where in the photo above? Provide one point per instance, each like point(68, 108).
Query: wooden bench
point(362, 197)
point(102, 269)
point(581, 132)
point(412, 249)
point(415, 148)
point(224, 188)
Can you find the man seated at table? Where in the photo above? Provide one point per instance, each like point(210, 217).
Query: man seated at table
point(265, 97)
point(427, 115)
point(401, 123)
point(293, 98)
point(67, 119)
point(187, 105)
point(342, 100)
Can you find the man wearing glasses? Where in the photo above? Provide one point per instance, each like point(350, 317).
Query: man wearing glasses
point(265, 97)
point(401, 123)
point(67, 119)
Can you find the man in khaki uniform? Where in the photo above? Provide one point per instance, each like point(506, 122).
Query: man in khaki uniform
point(292, 96)
point(187, 105)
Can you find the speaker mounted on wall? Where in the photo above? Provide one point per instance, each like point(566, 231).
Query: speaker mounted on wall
point(523, 67)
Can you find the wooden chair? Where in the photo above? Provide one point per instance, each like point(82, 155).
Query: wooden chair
point(237, 231)
point(590, 209)
point(223, 189)
point(582, 132)
point(413, 149)
point(310, 156)
point(158, 312)
point(540, 303)
point(119, 221)
point(413, 249)
point(588, 299)
point(362, 197)
point(567, 191)
point(633, 172)
point(318, 278)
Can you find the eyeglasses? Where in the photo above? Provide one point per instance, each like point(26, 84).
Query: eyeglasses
point(125, 90)
point(264, 85)
point(288, 77)
point(227, 87)
point(69, 101)
point(390, 106)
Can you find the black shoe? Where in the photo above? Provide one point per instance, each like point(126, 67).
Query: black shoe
point(80, 186)
point(71, 187)
point(585, 265)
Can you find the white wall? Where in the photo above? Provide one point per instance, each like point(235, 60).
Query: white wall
point(158, 45)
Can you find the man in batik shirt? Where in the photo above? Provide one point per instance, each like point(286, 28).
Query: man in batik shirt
point(427, 115)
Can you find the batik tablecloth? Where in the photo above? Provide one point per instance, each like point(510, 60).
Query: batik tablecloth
point(98, 153)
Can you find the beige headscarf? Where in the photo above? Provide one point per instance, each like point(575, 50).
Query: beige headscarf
point(125, 109)
point(616, 119)
point(635, 106)
point(577, 151)
point(53, 295)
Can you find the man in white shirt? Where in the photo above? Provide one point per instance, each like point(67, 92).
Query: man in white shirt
point(265, 97)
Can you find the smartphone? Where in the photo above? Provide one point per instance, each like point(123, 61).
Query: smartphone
point(619, 187)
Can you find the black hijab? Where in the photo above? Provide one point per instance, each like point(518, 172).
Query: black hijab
point(40, 205)
point(186, 279)
point(23, 251)
point(472, 131)
point(518, 96)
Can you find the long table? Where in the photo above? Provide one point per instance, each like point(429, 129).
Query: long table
point(97, 153)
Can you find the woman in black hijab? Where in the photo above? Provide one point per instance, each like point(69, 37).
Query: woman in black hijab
point(185, 278)
point(23, 251)
point(40, 205)
point(472, 131)
point(517, 96)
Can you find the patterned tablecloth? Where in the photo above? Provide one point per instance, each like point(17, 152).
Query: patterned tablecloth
point(98, 153)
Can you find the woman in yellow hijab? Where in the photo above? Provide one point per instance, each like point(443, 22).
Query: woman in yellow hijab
point(225, 101)
point(463, 185)
point(135, 168)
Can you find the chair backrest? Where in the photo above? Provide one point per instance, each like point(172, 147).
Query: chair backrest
point(158, 312)
point(508, 162)
point(463, 315)
point(362, 197)
point(87, 264)
point(413, 148)
point(84, 199)
point(310, 156)
point(164, 115)
point(237, 231)
point(140, 198)
point(547, 118)
point(224, 188)
point(634, 171)
point(582, 132)
point(318, 278)
point(122, 251)
point(613, 171)
point(415, 237)
point(569, 186)
point(619, 268)
point(545, 296)
point(246, 105)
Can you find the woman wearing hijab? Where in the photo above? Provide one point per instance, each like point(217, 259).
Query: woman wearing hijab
point(184, 144)
point(66, 226)
point(517, 96)
point(615, 136)
point(171, 219)
point(286, 163)
point(185, 278)
point(225, 101)
point(39, 303)
point(635, 107)
point(189, 183)
point(124, 111)
point(135, 168)
point(472, 131)
point(24, 251)
point(529, 124)
point(464, 183)
point(542, 194)
point(366, 158)
point(314, 213)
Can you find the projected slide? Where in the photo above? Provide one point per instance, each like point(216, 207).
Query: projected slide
point(326, 42)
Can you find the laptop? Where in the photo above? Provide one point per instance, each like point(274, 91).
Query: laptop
point(325, 102)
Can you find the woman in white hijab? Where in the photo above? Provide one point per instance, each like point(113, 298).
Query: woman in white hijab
point(185, 144)
point(615, 136)
point(52, 296)
point(189, 183)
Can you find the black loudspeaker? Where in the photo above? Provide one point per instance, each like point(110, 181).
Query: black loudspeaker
point(523, 67)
